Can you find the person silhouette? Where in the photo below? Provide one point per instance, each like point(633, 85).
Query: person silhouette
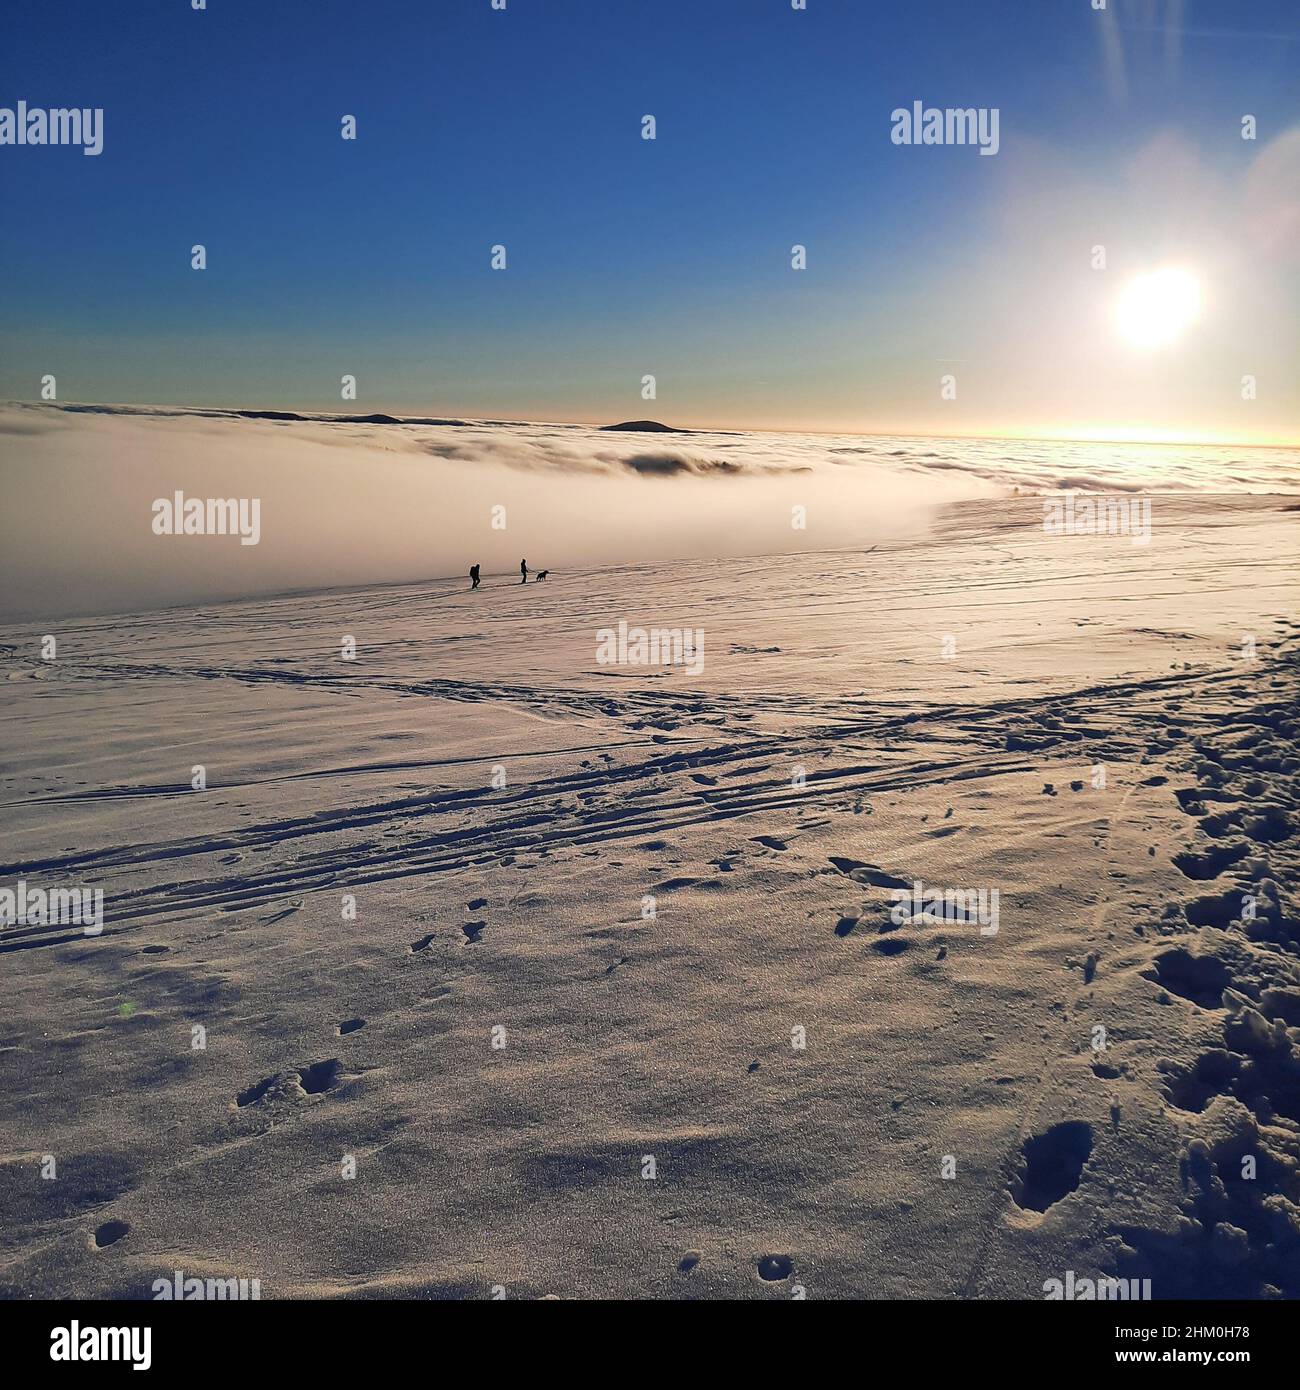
point(473, 575)
point(523, 571)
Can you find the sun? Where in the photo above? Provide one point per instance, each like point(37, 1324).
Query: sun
point(1154, 309)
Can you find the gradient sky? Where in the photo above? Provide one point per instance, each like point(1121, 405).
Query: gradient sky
point(628, 257)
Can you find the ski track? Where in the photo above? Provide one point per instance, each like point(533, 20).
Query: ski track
point(446, 831)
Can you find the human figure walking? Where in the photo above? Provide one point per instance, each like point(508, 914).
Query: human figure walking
point(523, 571)
point(473, 576)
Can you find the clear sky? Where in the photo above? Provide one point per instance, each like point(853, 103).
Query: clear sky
point(626, 257)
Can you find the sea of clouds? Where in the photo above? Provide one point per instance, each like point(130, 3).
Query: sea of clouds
point(363, 499)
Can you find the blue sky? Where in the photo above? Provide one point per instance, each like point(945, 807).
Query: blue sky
point(629, 257)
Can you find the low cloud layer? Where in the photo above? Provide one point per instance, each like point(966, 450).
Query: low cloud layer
point(354, 500)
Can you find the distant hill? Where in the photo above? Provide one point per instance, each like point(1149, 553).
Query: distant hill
point(645, 427)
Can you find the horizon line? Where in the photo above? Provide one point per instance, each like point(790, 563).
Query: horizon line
point(1113, 435)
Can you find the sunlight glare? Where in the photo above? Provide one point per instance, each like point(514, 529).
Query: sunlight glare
point(1154, 308)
